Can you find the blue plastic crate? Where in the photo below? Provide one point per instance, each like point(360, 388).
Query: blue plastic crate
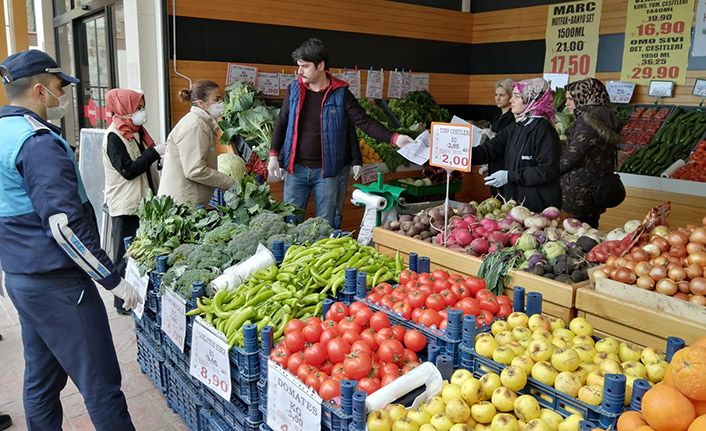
point(211, 421)
point(151, 359)
point(245, 365)
point(183, 396)
point(150, 324)
point(178, 358)
point(237, 413)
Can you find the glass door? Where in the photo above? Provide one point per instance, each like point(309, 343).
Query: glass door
point(94, 60)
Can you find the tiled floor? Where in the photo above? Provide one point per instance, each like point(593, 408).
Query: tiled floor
point(146, 404)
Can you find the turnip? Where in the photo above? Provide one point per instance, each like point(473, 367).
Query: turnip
point(571, 225)
point(551, 213)
point(537, 221)
point(520, 213)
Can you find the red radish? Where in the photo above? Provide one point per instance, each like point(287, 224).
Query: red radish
point(514, 238)
point(488, 224)
point(480, 245)
point(498, 237)
point(495, 247)
point(481, 232)
point(463, 236)
point(459, 223)
point(470, 219)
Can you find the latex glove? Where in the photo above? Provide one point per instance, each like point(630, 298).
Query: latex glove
point(161, 149)
point(498, 179)
point(483, 169)
point(127, 293)
point(488, 132)
point(357, 172)
point(403, 140)
point(273, 169)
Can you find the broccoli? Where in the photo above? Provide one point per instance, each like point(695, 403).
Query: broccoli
point(224, 233)
point(269, 223)
point(244, 244)
point(284, 237)
point(181, 279)
point(207, 256)
point(180, 253)
point(312, 230)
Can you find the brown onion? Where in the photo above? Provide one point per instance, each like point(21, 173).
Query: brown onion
point(698, 258)
point(698, 235)
point(683, 286)
point(624, 275)
point(681, 295)
point(677, 273)
point(661, 243)
point(642, 268)
point(698, 299)
point(639, 255)
point(660, 261)
point(658, 272)
point(677, 251)
point(676, 239)
point(693, 270)
point(630, 265)
point(611, 260)
point(645, 282)
point(694, 246)
point(608, 269)
point(698, 286)
point(620, 262)
point(652, 250)
point(666, 287)
point(595, 275)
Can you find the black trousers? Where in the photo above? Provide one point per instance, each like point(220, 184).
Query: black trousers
point(122, 226)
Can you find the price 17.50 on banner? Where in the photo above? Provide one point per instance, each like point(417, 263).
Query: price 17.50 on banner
point(451, 146)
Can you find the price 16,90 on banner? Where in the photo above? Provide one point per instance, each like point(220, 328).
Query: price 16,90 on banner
point(657, 39)
point(572, 38)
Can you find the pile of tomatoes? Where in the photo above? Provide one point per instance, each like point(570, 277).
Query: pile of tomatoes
point(695, 168)
point(426, 298)
point(353, 343)
point(643, 124)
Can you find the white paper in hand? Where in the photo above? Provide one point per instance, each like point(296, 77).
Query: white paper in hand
point(418, 151)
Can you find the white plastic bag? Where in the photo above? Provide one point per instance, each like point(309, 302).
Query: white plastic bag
point(234, 276)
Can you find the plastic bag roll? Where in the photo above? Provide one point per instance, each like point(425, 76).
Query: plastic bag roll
point(369, 200)
point(671, 169)
point(235, 275)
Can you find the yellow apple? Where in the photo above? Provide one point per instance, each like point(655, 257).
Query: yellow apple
point(655, 371)
point(405, 424)
point(595, 377)
point(591, 394)
point(542, 333)
point(485, 346)
point(602, 356)
point(459, 376)
point(419, 415)
point(540, 349)
point(634, 368)
point(555, 323)
point(396, 411)
point(610, 366)
point(567, 383)
point(570, 424)
point(524, 362)
point(461, 427)
point(544, 372)
point(560, 342)
point(458, 411)
point(436, 405)
point(472, 391)
point(450, 392)
point(537, 321)
point(490, 382)
point(565, 359)
point(504, 337)
point(521, 332)
point(551, 418)
point(483, 412)
point(517, 318)
point(629, 352)
point(427, 427)
point(379, 420)
point(581, 326)
point(586, 352)
point(513, 378)
point(441, 422)
point(504, 355)
point(504, 422)
point(563, 332)
point(650, 355)
point(503, 399)
point(500, 326)
point(526, 408)
point(537, 425)
point(608, 345)
point(583, 339)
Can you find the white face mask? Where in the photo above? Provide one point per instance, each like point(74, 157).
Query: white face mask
point(216, 109)
point(138, 118)
point(57, 112)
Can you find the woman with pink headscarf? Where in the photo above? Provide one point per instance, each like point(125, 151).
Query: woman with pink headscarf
point(530, 149)
point(129, 156)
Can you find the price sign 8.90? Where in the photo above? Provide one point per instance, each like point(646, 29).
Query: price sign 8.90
point(451, 146)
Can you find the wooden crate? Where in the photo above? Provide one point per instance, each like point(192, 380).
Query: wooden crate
point(636, 323)
point(558, 298)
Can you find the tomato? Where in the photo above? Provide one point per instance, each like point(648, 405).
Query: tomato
point(326, 367)
point(502, 299)
point(329, 334)
point(426, 278)
point(388, 301)
point(489, 304)
point(293, 325)
point(444, 313)
point(388, 378)
point(312, 332)
point(474, 284)
point(390, 368)
point(337, 311)
point(398, 332)
point(460, 291)
point(350, 336)
point(379, 320)
point(294, 361)
point(280, 354)
point(358, 365)
point(435, 302)
point(330, 389)
point(398, 295)
point(355, 308)
point(377, 369)
point(430, 318)
point(407, 357)
point(362, 316)
point(440, 274)
point(444, 323)
point(369, 336)
point(361, 346)
point(403, 309)
point(339, 376)
point(407, 275)
point(313, 320)
point(416, 299)
point(337, 368)
point(484, 318)
point(409, 367)
point(504, 310)
point(337, 349)
point(484, 293)
point(304, 370)
point(450, 298)
point(426, 290)
point(469, 306)
point(368, 385)
point(390, 350)
point(441, 285)
point(315, 379)
point(315, 354)
point(416, 313)
point(383, 288)
point(415, 340)
point(384, 334)
point(374, 298)
point(349, 323)
point(295, 341)
point(326, 324)
point(456, 278)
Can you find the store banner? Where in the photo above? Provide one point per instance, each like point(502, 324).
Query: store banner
point(572, 38)
point(657, 39)
point(699, 47)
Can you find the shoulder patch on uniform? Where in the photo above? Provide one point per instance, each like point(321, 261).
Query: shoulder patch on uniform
point(36, 124)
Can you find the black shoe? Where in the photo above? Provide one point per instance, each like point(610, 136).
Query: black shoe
point(5, 422)
point(121, 311)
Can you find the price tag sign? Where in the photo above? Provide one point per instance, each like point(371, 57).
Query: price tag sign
point(209, 358)
point(352, 77)
point(699, 88)
point(268, 83)
point(420, 82)
point(394, 90)
point(375, 82)
point(291, 405)
point(241, 72)
point(660, 89)
point(620, 91)
point(406, 86)
point(140, 283)
point(369, 172)
point(285, 80)
point(451, 146)
point(174, 317)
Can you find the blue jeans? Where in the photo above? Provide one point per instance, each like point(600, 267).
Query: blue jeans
point(299, 186)
point(65, 332)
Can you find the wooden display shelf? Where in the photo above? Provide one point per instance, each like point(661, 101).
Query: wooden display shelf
point(635, 323)
point(558, 298)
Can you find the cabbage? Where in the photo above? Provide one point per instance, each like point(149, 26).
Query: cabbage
point(232, 165)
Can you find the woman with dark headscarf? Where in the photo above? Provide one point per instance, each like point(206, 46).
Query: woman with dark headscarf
point(530, 149)
point(591, 151)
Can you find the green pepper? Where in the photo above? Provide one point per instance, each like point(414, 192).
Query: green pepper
point(240, 318)
point(260, 297)
point(378, 273)
point(268, 274)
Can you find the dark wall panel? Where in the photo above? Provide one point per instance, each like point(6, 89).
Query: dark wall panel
point(441, 4)
point(492, 5)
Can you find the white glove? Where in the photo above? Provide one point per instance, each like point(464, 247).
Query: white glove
point(273, 169)
point(488, 132)
point(483, 169)
point(128, 294)
point(160, 149)
point(498, 179)
point(403, 140)
point(357, 172)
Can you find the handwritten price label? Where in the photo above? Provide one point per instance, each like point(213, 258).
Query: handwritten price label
point(209, 358)
point(140, 283)
point(291, 405)
point(374, 85)
point(241, 72)
point(620, 91)
point(451, 146)
point(699, 88)
point(174, 317)
point(268, 83)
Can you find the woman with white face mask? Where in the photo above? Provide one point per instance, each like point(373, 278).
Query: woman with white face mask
point(190, 172)
point(129, 156)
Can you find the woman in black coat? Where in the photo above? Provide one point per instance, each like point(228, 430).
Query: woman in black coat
point(592, 149)
point(504, 119)
point(530, 149)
